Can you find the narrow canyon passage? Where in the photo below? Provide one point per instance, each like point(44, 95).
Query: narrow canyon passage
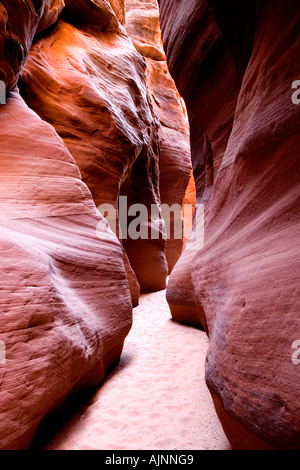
point(155, 398)
point(121, 122)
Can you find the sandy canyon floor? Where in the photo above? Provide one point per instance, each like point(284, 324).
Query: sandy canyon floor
point(155, 398)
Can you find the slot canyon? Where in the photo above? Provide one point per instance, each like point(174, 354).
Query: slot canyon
point(115, 331)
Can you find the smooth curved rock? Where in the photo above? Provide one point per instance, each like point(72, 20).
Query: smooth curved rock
point(65, 303)
point(19, 22)
point(104, 15)
point(90, 84)
point(189, 206)
point(235, 70)
point(142, 25)
point(67, 282)
point(175, 152)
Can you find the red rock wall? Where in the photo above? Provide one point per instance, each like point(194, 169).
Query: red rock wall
point(235, 67)
point(91, 86)
point(64, 298)
point(20, 21)
point(97, 97)
point(88, 132)
point(142, 25)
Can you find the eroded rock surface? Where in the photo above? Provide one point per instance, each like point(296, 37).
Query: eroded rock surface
point(64, 298)
point(142, 25)
point(88, 133)
point(91, 84)
point(97, 117)
point(234, 66)
point(19, 22)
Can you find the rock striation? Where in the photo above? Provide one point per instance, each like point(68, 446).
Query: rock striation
point(113, 109)
point(20, 21)
point(80, 128)
point(234, 66)
point(89, 82)
point(64, 298)
point(142, 25)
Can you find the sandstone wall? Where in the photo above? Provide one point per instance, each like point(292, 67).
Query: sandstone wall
point(234, 64)
point(80, 129)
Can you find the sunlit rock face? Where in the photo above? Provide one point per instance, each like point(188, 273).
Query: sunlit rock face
point(120, 116)
point(142, 25)
point(89, 82)
point(235, 65)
